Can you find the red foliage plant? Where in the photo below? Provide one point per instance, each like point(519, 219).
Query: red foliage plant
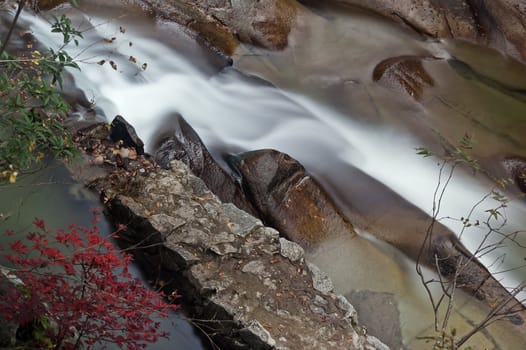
point(76, 284)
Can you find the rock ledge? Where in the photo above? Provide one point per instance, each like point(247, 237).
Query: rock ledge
point(254, 288)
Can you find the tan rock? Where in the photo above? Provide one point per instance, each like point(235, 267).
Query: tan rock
point(500, 24)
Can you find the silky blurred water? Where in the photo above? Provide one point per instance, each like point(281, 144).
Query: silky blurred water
point(322, 107)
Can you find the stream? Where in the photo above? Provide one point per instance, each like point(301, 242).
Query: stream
point(316, 101)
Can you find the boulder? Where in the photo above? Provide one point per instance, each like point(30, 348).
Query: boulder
point(288, 198)
point(516, 170)
point(224, 24)
point(182, 143)
point(122, 133)
point(500, 24)
point(229, 267)
point(405, 74)
point(250, 288)
point(379, 314)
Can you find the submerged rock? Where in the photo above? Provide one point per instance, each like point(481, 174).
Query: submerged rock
point(379, 312)
point(404, 73)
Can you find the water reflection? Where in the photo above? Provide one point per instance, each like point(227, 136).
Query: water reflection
point(51, 194)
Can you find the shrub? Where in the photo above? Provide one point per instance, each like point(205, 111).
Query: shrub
point(31, 108)
point(71, 289)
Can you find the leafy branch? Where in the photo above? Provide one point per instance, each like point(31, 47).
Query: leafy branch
point(451, 267)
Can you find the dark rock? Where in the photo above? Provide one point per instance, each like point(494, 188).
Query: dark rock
point(289, 199)
point(467, 72)
point(404, 73)
point(471, 276)
point(185, 145)
point(122, 131)
point(516, 170)
point(48, 4)
point(8, 328)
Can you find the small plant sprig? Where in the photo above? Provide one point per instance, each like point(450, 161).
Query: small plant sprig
point(493, 236)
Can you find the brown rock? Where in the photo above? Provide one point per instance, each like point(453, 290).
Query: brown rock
point(224, 24)
point(289, 199)
point(48, 4)
point(404, 73)
point(294, 203)
point(500, 24)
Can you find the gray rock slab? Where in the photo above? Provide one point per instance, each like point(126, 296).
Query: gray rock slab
point(252, 286)
point(379, 314)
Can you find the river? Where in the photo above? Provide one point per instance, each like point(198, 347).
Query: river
point(316, 101)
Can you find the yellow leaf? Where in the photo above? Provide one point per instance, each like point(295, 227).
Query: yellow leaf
point(12, 178)
point(39, 156)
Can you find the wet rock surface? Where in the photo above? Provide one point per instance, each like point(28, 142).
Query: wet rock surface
point(250, 288)
point(183, 143)
point(516, 170)
point(380, 312)
point(224, 24)
point(500, 24)
point(290, 199)
point(404, 73)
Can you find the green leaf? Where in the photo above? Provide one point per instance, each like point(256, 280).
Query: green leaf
point(421, 151)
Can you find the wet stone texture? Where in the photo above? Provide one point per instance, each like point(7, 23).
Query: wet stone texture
point(254, 288)
point(404, 73)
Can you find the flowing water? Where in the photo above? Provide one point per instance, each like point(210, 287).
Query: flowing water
point(322, 107)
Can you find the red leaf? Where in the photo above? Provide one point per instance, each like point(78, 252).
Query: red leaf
point(39, 224)
point(19, 247)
